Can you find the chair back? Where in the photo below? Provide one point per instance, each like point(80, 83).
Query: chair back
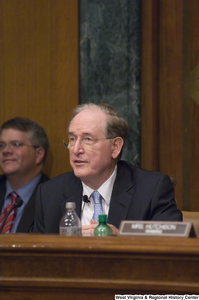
point(192, 217)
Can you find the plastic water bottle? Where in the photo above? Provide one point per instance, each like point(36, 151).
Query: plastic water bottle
point(70, 223)
point(102, 229)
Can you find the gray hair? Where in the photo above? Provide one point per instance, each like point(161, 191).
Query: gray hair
point(115, 125)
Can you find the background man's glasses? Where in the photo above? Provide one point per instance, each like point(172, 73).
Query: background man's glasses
point(68, 143)
point(14, 145)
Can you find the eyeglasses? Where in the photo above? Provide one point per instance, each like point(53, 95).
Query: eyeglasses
point(68, 143)
point(15, 145)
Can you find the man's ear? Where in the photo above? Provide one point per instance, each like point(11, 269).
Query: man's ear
point(117, 144)
point(40, 153)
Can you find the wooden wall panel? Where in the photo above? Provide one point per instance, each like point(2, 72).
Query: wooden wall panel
point(170, 91)
point(177, 98)
point(194, 105)
point(150, 85)
point(39, 68)
point(162, 89)
point(194, 186)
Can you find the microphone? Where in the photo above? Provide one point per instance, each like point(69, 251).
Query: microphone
point(17, 204)
point(85, 199)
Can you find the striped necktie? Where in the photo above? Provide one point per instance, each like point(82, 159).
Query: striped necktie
point(11, 218)
point(98, 210)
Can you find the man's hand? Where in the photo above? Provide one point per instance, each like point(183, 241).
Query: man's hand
point(89, 229)
point(115, 231)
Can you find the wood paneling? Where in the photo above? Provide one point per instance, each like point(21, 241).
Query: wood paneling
point(150, 85)
point(162, 88)
point(194, 106)
point(170, 91)
point(59, 267)
point(166, 98)
point(39, 68)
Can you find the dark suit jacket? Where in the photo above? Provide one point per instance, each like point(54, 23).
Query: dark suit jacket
point(137, 195)
point(27, 219)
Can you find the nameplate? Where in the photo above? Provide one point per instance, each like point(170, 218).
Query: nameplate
point(156, 228)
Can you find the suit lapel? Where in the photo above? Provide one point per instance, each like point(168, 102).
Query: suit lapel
point(27, 217)
point(2, 190)
point(73, 195)
point(121, 198)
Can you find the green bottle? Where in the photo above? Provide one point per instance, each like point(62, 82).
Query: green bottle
point(102, 229)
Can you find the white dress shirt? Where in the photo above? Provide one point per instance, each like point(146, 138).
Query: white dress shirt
point(105, 190)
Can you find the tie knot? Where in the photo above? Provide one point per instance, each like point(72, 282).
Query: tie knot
point(96, 197)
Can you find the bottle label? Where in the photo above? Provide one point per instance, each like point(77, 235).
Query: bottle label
point(102, 230)
point(70, 231)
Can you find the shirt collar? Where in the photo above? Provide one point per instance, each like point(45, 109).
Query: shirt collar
point(105, 189)
point(25, 191)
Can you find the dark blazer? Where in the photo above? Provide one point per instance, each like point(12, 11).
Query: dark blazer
point(137, 195)
point(27, 219)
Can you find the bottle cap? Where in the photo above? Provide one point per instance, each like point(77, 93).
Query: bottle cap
point(70, 205)
point(102, 218)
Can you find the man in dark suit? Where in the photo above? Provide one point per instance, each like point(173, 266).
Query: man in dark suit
point(96, 136)
point(23, 149)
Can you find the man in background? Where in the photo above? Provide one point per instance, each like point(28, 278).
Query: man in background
point(100, 180)
point(23, 149)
